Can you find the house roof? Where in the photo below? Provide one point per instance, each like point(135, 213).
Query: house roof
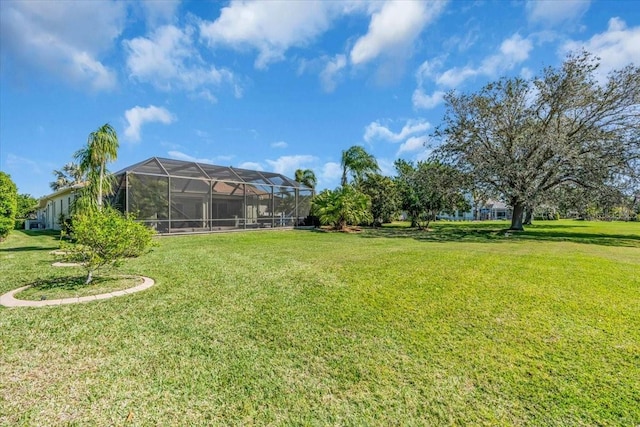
point(179, 168)
point(42, 202)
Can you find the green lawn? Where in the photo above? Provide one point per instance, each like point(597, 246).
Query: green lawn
point(462, 325)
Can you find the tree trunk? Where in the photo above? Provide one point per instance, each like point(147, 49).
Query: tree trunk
point(100, 188)
point(89, 277)
point(528, 215)
point(516, 219)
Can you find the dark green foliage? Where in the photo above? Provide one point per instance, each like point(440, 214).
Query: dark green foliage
point(26, 206)
point(8, 204)
point(385, 200)
point(341, 207)
point(105, 237)
point(430, 188)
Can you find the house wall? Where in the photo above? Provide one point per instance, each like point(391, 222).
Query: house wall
point(52, 206)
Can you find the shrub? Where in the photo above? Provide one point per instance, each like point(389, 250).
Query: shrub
point(342, 206)
point(8, 204)
point(105, 237)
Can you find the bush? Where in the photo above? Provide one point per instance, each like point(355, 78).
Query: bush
point(8, 204)
point(342, 206)
point(18, 224)
point(104, 238)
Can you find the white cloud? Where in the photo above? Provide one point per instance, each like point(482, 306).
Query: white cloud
point(63, 39)
point(271, 27)
point(376, 131)
point(251, 165)
point(413, 144)
point(179, 155)
point(513, 51)
point(331, 72)
point(552, 13)
point(617, 47)
point(329, 176)
point(159, 12)
point(168, 59)
point(286, 165)
point(279, 144)
point(17, 162)
point(394, 28)
point(138, 116)
point(422, 100)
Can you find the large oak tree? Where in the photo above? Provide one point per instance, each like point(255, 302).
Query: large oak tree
point(523, 138)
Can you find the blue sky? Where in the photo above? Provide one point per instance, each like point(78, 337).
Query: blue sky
point(270, 85)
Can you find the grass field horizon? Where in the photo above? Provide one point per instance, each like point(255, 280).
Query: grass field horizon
point(463, 324)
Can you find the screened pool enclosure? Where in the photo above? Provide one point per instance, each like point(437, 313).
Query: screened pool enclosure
point(173, 196)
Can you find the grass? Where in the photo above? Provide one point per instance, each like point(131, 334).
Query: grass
point(456, 326)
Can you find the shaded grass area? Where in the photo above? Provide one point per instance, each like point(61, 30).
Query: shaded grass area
point(74, 286)
point(346, 329)
point(607, 233)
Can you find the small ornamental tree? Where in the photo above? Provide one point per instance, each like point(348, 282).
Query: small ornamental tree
point(8, 204)
point(105, 238)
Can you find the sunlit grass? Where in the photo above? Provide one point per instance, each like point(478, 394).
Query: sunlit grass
point(460, 325)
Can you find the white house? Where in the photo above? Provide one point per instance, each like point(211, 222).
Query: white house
point(51, 207)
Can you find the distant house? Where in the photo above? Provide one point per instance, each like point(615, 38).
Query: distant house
point(490, 210)
point(54, 207)
point(494, 209)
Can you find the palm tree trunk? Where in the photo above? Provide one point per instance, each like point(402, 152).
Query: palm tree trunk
point(100, 187)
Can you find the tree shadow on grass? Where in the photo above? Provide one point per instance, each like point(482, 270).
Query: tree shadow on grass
point(53, 237)
point(67, 283)
point(26, 249)
point(494, 233)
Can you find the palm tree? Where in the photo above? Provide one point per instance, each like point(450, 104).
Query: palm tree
point(68, 176)
point(306, 177)
point(102, 147)
point(358, 163)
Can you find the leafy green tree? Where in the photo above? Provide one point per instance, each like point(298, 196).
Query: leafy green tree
point(8, 204)
point(357, 163)
point(26, 205)
point(102, 147)
point(341, 207)
point(306, 177)
point(385, 200)
point(105, 238)
point(430, 188)
point(522, 138)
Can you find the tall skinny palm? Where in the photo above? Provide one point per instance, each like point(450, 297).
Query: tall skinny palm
point(102, 147)
point(306, 177)
point(357, 162)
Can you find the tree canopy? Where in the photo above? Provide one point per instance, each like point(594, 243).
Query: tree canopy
point(521, 139)
point(385, 200)
point(428, 188)
point(8, 204)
